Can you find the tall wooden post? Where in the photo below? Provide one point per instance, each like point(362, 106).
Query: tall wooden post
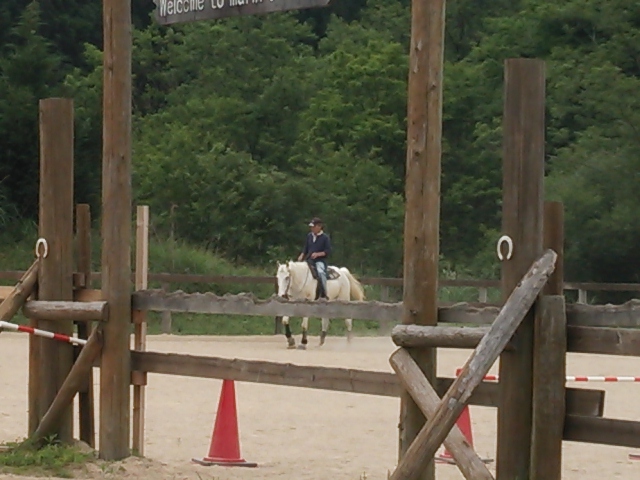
point(549, 358)
point(85, 395)
point(554, 239)
point(53, 360)
point(422, 214)
point(522, 220)
point(115, 371)
point(139, 379)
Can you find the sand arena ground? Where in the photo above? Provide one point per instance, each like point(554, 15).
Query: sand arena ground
point(304, 434)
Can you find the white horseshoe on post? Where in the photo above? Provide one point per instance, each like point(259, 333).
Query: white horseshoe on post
point(42, 243)
point(501, 240)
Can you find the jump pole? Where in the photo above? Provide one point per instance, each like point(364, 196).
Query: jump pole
point(41, 333)
point(583, 378)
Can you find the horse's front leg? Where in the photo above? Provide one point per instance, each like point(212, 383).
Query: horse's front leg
point(349, 324)
point(305, 327)
point(325, 328)
point(291, 343)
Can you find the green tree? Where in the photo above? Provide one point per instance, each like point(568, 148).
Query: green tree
point(29, 71)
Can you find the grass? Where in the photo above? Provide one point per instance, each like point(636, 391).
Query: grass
point(53, 459)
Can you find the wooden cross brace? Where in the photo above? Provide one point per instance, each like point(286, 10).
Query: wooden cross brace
point(443, 415)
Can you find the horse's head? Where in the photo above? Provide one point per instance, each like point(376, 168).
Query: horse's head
point(283, 277)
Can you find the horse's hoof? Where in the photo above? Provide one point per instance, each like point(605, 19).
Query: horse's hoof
point(323, 336)
point(302, 347)
point(291, 347)
point(349, 337)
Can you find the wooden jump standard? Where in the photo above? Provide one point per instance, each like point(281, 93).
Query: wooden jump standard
point(443, 415)
point(53, 310)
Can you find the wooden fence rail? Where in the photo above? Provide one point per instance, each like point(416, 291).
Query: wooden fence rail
point(480, 284)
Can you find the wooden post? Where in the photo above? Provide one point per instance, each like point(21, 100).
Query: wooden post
point(549, 373)
point(140, 326)
point(582, 296)
point(53, 360)
point(554, 239)
point(549, 358)
point(483, 295)
point(165, 315)
point(422, 188)
point(115, 370)
point(522, 220)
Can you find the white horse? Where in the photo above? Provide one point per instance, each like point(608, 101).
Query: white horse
point(295, 282)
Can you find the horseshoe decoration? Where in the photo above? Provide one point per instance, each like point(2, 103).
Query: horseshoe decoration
point(44, 251)
point(504, 239)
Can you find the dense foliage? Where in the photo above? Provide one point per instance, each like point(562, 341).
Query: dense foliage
point(244, 128)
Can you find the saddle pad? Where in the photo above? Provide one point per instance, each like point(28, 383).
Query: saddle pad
point(332, 273)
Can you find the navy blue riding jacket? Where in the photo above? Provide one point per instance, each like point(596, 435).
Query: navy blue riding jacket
point(322, 244)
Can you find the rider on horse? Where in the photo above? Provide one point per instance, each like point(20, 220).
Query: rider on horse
point(316, 250)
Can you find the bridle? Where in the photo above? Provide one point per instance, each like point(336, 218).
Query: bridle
point(286, 295)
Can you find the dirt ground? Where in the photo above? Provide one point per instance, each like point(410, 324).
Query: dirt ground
point(303, 434)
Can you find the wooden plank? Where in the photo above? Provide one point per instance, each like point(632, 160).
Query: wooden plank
point(327, 378)
point(414, 381)
point(86, 406)
point(457, 397)
point(381, 281)
point(606, 341)
point(603, 287)
point(65, 310)
point(580, 401)
point(140, 325)
point(247, 304)
point(444, 337)
point(522, 220)
point(549, 379)
point(55, 280)
point(626, 315)
point(422, 196)
point(604, 431)
point(76, 378)
point(115, 368)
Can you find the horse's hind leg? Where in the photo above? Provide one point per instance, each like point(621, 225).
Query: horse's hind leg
point(291, 343)
point(305, 327)
point(349, 324)
point(323, 333)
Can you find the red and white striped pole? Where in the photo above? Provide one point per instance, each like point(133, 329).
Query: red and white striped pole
point(583, 378)
point(41, 333)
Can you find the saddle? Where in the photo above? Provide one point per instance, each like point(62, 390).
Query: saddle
point(332, 274)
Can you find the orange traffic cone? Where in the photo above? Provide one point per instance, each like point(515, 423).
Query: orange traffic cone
point(464, 424)
point(225, 442)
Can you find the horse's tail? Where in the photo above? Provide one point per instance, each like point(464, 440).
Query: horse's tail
point(356, 290)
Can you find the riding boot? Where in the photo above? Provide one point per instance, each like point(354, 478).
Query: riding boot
point(323, 289)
